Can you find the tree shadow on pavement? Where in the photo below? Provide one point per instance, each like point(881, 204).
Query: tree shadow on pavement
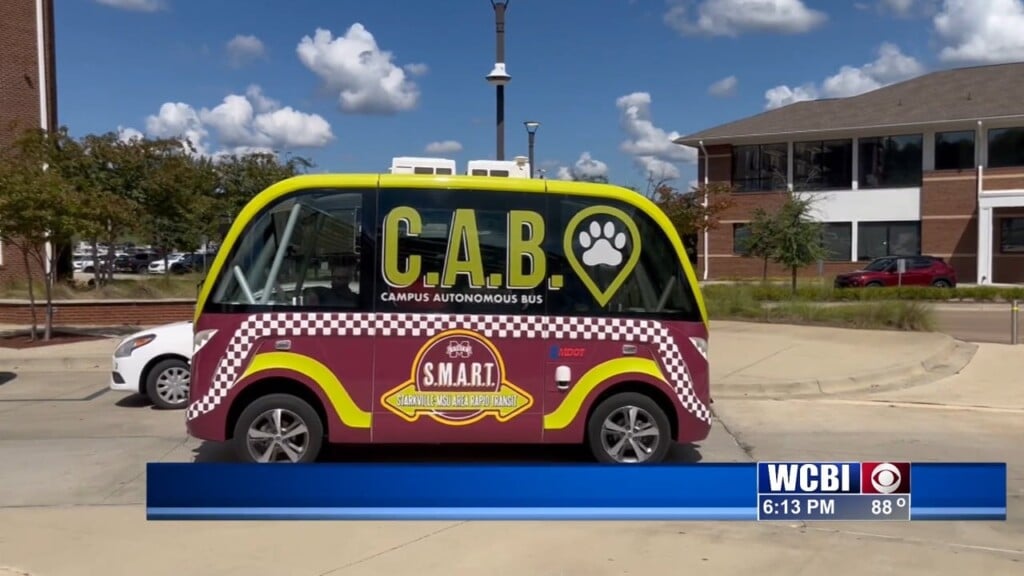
point(489, 453)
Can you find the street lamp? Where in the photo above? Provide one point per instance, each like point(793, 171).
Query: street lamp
point(531, 130)
point(498, 76)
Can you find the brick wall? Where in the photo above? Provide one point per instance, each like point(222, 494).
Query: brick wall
point(97, 313)
point(12, 267)
point(19, 69)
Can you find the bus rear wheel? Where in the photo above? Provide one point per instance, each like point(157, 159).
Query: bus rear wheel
point(278, 428)
point(629, 428)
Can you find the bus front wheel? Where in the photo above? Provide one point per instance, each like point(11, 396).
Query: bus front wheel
point(629, 428)
point(278, 428)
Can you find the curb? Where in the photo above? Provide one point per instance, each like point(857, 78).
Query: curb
point(948, 360)
point(89, 363)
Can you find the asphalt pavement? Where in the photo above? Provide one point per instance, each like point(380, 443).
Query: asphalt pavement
point(972, 323)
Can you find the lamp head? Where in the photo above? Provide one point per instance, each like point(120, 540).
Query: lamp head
point(498, 76)
point(531, 126)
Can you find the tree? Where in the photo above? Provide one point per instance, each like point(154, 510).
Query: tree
point(797, 236)
point(39, 208)
point(761, 238)
point(242, 177)
point(696, 210)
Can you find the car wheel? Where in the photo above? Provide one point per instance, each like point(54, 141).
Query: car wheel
point(629, 428)
point(874, 284)
point(278, 428)
point(167, 384)
point(941, 283)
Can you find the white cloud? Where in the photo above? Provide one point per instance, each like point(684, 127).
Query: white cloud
point(586, 167)
point(908, 8)
point(416, 68)
point(981, 31)
point(243, 49)
point(365, 77)
point(891, 66)
point(734, 17)
point(135, 5)
point(127, 134)
point(651, 147)
point(443, 147)
point(724, 87)
point(240, 123)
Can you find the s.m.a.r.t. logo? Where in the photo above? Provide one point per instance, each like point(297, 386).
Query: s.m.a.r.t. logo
point(602, 245)
point(457, 378)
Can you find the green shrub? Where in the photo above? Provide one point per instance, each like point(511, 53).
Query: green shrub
point(890, 315)
point(816, 292)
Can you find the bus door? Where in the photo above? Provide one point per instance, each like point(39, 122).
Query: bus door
point(459, 349)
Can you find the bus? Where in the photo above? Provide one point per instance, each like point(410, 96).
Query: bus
point(424, 309)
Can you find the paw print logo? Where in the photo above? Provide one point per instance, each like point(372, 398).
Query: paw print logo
point(602, 245)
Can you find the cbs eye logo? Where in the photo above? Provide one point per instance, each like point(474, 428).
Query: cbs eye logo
point(885, 477)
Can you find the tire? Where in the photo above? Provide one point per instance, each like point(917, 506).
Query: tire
point(874, 285)
point(259, 416)
point(615, 410)
point(167, 384)
point(940, 283)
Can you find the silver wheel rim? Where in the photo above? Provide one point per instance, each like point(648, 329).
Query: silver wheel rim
point(172, 385)
point(277, 435)
point(630, 434)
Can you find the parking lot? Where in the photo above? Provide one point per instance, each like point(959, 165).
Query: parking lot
point(72, 490)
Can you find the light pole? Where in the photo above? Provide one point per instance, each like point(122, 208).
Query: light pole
point(531, 131)
point(498, 76)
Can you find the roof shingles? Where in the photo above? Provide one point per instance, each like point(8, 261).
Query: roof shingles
point(948, 95)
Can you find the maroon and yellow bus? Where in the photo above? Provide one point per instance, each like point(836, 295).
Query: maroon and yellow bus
point(393, 308)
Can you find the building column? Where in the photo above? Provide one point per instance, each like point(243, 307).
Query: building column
point(853, 241)
point(984, 245)
point(789, 166)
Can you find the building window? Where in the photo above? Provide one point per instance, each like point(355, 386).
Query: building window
point(1005, 147)
point(954, 150)
point(740, 237)
point(823, 165)
point(890, 161)
point(1011, 237)
point(877, 239)
point(837, 238)
point(760, 168)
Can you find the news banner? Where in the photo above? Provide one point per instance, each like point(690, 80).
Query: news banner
point(763, 491)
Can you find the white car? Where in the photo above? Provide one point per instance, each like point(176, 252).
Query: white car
point(155, 363)
point(157, 266)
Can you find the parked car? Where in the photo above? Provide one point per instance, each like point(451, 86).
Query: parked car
point(157, 266)
point(156, 364)
point(192, 263)
point(136, 263)
point(919, 271)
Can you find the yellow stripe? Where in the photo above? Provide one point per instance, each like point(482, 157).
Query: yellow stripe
point(482, 183)
point(351, 414)
point(567, 411)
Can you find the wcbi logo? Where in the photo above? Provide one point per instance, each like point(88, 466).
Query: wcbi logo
point(833, 477)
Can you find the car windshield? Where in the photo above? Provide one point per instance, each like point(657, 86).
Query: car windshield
point(879, 265)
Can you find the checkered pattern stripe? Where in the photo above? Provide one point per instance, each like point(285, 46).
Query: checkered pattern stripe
point(426, 325)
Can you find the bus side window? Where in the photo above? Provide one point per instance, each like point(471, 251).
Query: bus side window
point(602, 245)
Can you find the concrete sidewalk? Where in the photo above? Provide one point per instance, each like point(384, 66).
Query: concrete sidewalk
point(770, 360)
point(747, 359)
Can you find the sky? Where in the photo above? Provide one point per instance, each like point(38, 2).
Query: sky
point(352, 83)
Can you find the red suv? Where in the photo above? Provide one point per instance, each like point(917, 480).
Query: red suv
point(918, 271)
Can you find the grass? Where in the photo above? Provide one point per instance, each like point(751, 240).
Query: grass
point(820, 292)
point(143, 288)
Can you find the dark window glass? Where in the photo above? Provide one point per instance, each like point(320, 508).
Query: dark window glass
point(444, 171)
point(499, 173)
point(890, 161)
point(424, 235)
point(837, 238)
point(422, 170)
point(303, 251)
point(1005, 147)
point(877, 239)
point(479, 172)
point(740, 237)
point(760, 168)
point(920, 263)
point(657, 285)
point(1011, 235)
point(824, 165)
point(954, 150)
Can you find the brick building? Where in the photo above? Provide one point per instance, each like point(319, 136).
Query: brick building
point(933, 165)
point(28, 89)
